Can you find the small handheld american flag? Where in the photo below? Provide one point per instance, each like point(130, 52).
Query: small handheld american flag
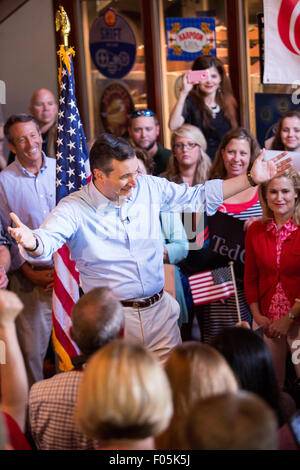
point(209, 286)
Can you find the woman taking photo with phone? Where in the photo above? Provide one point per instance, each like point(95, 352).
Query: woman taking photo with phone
point(208, 104)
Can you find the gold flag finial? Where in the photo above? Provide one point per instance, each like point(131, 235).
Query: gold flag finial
point(62, 22)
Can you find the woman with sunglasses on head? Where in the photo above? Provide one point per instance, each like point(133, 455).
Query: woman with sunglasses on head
point(208, 104)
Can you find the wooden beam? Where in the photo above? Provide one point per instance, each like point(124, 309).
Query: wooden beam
point(9, 7)
point(71, 8)
point(233, 51)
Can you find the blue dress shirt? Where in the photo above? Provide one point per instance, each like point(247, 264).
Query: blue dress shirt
point(121, 246)
point(31, 197)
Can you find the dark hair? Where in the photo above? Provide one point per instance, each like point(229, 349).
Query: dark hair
point(251, 361)
point(277, 143)
point(97, 319)
point(218, 169)
point(224, 96)
point(14, 119)
point(108, 147)
point(148, 161)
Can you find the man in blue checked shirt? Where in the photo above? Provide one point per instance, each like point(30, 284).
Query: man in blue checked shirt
point(112, 229)
point(27, 187)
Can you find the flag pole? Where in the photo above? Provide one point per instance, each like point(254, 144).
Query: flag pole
point(62, 23)
point(235, 290)
point(72, 173)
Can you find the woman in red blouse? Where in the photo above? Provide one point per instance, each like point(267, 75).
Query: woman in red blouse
point(272, 267)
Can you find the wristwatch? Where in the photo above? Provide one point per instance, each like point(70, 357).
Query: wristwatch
point(291, 316)
point(251, 180)
point(37, 244)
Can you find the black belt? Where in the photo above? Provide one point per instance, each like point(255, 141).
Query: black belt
point(143, 303)
point(41, 268)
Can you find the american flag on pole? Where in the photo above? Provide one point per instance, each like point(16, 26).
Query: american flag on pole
point(72, 172)
point(209, 286)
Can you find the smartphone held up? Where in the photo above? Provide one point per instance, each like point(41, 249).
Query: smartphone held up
point(197, 76)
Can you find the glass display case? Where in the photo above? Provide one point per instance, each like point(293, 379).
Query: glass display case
point(176, 69)
point(111, 100)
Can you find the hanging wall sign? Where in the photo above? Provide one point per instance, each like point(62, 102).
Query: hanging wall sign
point(112, 45)
point(116, 106)
point(189, 38)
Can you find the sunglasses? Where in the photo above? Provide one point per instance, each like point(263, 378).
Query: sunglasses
point(142, 112)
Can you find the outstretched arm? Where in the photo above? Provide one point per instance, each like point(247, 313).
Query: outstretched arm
point(261, 171)
point(14, 384)
point(24, 236)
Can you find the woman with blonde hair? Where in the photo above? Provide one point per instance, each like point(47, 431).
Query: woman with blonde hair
point(195, 371)
point(189, 162)
point(125, 399)
point(272, 267)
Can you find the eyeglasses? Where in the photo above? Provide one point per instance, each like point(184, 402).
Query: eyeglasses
point(189, 146)
point(142, 112)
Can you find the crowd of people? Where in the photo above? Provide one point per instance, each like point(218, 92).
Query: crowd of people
point(155, 371)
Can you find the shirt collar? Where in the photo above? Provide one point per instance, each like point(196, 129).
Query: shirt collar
point(100, 201)
point(43, 167)
point(289, 226)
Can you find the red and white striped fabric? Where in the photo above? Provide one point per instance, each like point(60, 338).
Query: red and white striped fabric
point(282, 42)
point(65, 295)
point(210, 286)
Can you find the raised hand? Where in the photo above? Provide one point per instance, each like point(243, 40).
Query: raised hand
point(21, 233)
point(10, 306)
point(265, 170)
point(186, 85)
point(249, 221)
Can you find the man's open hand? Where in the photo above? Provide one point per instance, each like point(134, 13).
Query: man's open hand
point(21, 233)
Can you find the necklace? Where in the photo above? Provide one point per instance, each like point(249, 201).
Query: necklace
point(214, 109)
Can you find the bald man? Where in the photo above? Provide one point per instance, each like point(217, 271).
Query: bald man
point(43, 108)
